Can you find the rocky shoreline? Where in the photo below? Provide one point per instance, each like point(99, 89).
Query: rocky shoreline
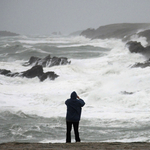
point(76, 146)
point(120, 31)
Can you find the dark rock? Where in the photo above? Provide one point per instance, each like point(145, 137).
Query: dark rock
point(35, 71)
point(33, 61)
point(145, 33)
point(142, 65)
point(14, 74)
point(47, 61)
point(64, 61)
point(135, 47)
point(89, 33)
point(55, 61)
point(127, 93)
point(119, 31)
point(4, 71)
point(51, 75)
point(8, 73)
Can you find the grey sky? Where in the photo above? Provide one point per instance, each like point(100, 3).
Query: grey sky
point(66, 16)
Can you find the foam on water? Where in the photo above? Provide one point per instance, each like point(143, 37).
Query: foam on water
point(114, 92)
point(100, 81)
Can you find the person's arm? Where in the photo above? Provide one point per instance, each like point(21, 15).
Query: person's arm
point(81, 101)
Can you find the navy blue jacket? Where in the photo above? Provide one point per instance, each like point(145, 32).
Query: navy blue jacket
point(74, 108)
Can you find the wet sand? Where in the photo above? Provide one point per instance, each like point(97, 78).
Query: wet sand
point(76, 146)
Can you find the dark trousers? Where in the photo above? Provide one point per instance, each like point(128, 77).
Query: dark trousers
point(76, 132)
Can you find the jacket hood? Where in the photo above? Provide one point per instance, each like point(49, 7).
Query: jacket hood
point(73, 95)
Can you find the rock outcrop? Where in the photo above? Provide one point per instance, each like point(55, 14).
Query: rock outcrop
point(136, 47)
point(120, 30)
point(7, 33)
point(47, 61)
point(146, 34)
point(36, 71)
point(123, 31)
point(127, 93)
point(142, 65)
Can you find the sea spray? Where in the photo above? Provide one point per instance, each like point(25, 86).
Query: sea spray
point(116, 95)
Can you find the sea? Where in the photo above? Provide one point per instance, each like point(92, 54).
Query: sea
point(117, 96)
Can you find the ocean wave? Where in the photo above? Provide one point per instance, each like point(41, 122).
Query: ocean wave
point(116, 95)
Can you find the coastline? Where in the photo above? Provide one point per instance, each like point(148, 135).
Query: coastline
point(76, 146)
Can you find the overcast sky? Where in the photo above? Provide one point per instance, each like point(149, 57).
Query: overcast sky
point(66, 16)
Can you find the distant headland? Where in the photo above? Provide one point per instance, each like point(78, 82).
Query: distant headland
point(120, 30)
point(7, 33)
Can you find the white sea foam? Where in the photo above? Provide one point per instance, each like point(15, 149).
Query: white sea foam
point(57, 40)
point(139, 39)
point(99, 81)
point(112, 90)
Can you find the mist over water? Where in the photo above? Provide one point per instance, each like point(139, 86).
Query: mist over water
point(100, 72)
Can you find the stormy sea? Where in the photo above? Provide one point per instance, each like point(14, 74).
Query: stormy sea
point(117, 95)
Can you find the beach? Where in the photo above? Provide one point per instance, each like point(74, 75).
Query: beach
point(76, 146)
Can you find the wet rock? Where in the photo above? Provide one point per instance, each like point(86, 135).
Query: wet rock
point(51, 75)
point(127, 93)
point(32, 61)
point(35, 71)
point(8, 73)
point(142, 65)
point(135, 47)
point(4, 71)
point(47, 61)
point(55, 61)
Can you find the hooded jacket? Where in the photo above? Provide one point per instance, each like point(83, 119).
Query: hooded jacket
point(74, 108)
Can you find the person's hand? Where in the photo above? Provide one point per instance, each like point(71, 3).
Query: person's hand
point(78, 97)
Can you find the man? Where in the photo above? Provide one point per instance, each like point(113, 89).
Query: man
point(73, 116)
